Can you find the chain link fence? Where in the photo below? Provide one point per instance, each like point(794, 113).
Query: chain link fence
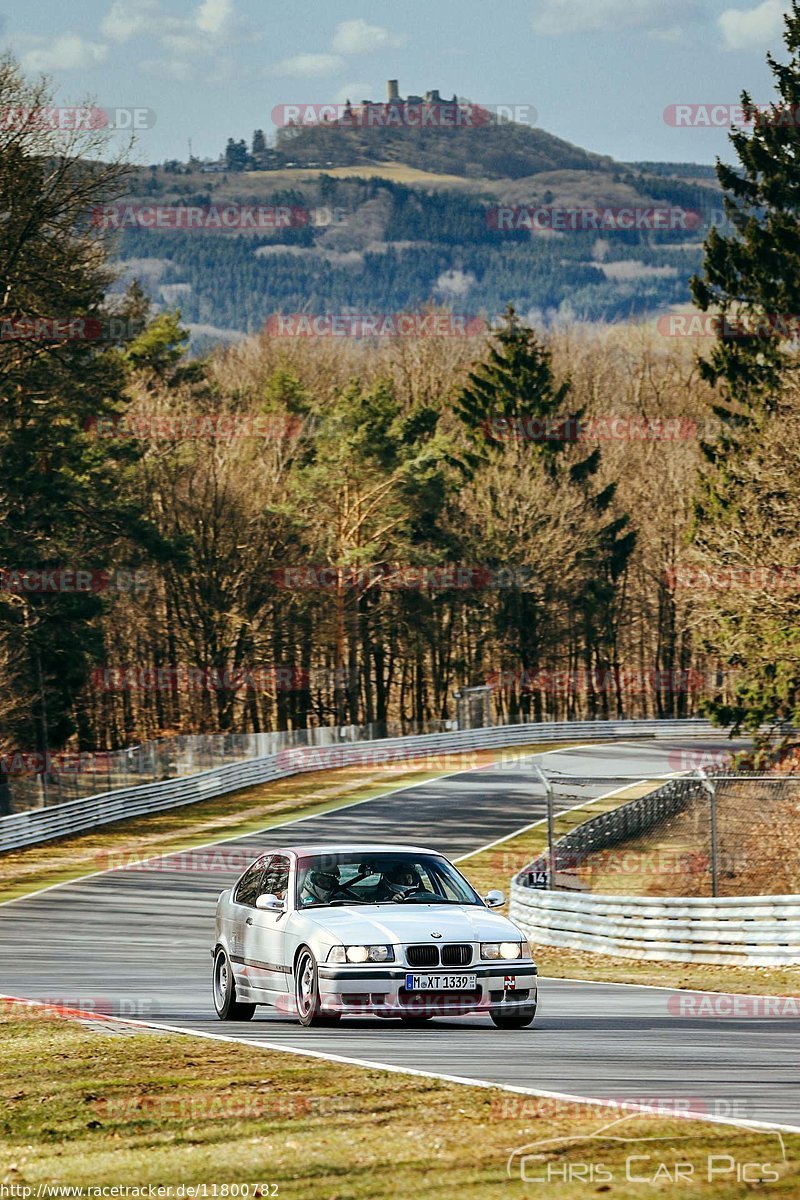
point(730, 833)
point(39, 781)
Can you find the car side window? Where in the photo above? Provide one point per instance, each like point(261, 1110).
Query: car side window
point(249, 888)
point(276, 877)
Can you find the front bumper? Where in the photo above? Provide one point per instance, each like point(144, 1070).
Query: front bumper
point(381, 991)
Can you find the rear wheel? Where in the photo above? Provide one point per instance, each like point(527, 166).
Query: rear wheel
point(514, 1018)
point(225, 1002)
point(306, 992)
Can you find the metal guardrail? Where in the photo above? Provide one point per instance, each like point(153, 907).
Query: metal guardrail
point(741, 931)
point(78, 816)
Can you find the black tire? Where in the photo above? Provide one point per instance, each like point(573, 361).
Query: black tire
point(306, 991)
point(514, 1018)
point(224, 989)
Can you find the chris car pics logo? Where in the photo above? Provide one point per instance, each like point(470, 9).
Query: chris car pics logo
point(609, 1155)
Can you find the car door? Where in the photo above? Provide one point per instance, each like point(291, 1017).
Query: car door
point(264, 931)
point(242, 906)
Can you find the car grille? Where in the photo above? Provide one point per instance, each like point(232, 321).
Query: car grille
point(423, 956)
point(456, 955)
point(452, 955)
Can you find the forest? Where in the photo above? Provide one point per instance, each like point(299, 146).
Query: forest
point(591, 520)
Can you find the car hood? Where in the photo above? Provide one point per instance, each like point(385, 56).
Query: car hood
point(403, 923)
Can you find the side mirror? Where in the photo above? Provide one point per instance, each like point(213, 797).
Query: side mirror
point(494, 899)
point(269, 903)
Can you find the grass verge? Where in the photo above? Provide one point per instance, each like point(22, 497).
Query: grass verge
point(82, 1108)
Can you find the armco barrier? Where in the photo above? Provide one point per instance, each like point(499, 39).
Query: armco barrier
point(77, 816)
point(758, 931)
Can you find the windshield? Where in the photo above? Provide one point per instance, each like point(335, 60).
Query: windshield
point(383, 878)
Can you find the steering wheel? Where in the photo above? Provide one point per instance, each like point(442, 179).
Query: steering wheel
point(405, 893)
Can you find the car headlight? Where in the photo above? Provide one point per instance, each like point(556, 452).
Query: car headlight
point(505, 950)
point(360, 954)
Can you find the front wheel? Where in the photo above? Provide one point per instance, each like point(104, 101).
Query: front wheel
point(514, 1018)
point(225, 1002)
point(306, 992)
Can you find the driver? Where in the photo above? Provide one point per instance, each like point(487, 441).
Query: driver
point(399, 879)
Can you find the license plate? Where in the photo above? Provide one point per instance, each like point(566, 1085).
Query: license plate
point(441, 983)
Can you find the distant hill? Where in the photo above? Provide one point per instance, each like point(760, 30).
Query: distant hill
point(408, 222)
point(492, 151)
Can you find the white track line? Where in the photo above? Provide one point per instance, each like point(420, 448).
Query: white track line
point(464, 1081)
point(543, 820)
point(664, 987)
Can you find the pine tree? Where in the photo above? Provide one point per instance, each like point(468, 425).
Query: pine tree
point(513, 405)
point(751, 277)
point(513, 395)
point(66, 495)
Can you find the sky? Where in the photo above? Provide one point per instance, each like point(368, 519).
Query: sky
point(599, 73)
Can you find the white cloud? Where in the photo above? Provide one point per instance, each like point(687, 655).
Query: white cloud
point(555, 17)
point(357, 37)
point(354, 92)
point(745, 28)
point(69, 52)
point(129, 18)
point(171, 68)
point(214, 16)
point(308, 64)
point(210, 28)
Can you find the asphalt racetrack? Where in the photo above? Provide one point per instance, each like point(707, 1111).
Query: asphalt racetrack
point(137, 943)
